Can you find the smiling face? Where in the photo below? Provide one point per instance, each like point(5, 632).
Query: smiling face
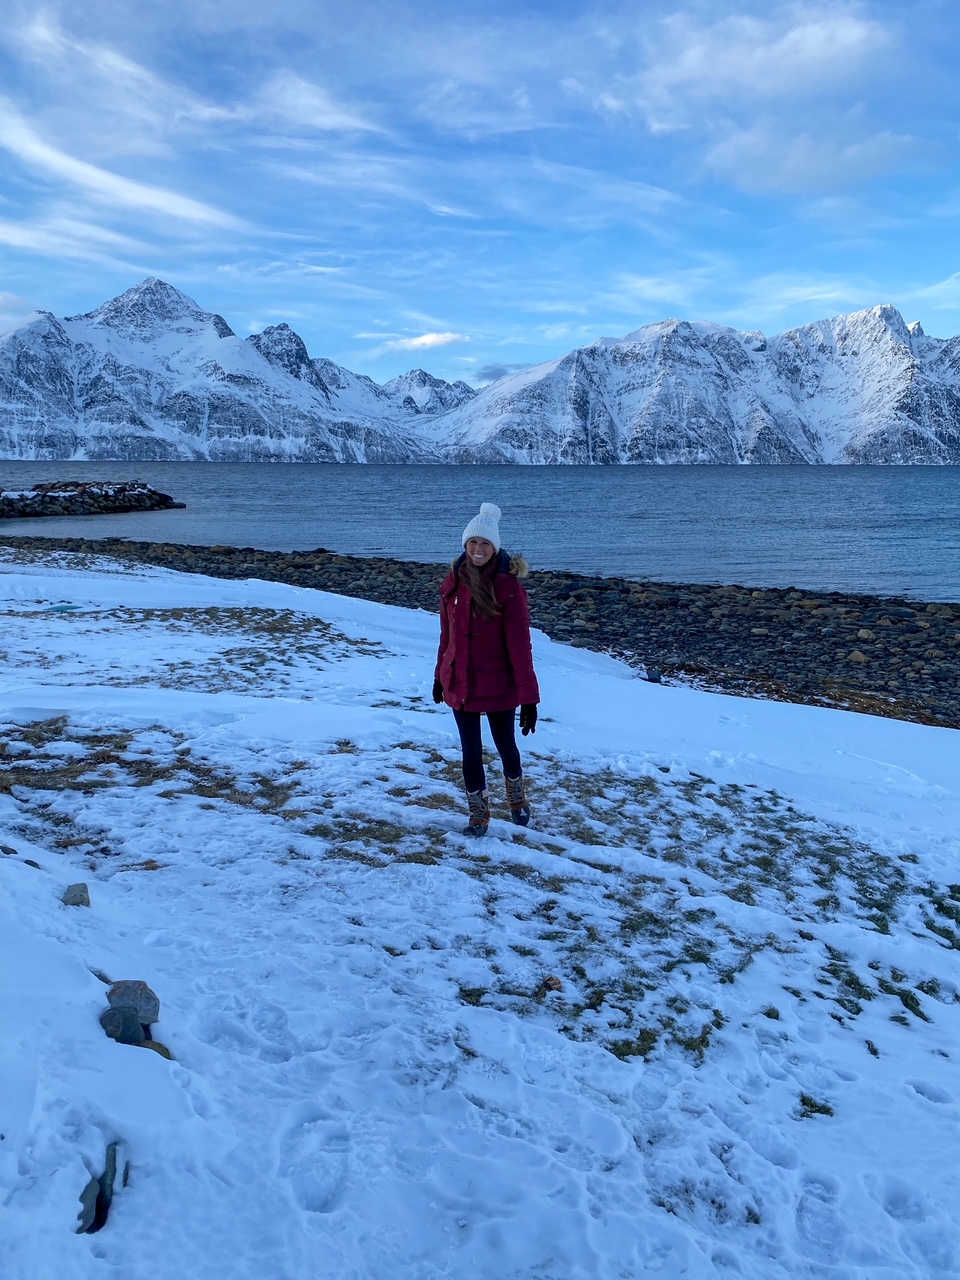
point(479, 551)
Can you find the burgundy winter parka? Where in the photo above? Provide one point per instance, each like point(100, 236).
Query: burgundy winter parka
point(486, 664)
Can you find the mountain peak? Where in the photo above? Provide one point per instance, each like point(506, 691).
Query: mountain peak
point(282, 347)
point(889, 318)
point(150, 305)
point(420, 392)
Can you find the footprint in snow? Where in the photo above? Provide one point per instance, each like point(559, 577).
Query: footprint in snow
point(932, 1092)
point(314, 1150)
point(926, 1233)
point(819, 1227)
point(899, 1199)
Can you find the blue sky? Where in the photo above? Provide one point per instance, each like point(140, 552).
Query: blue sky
point(471, 187)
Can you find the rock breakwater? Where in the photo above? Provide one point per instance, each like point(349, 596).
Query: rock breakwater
point(890, 657)
point(82, 498)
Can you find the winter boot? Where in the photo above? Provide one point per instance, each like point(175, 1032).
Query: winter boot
point(516, 798)
point(479, 803)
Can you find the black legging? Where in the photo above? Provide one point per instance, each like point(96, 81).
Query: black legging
point(501, 726)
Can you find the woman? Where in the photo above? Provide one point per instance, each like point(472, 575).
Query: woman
point(485, 662)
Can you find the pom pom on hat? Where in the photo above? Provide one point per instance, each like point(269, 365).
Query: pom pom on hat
point(485, 525)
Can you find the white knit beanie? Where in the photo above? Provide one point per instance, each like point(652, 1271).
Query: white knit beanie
point(485, 525)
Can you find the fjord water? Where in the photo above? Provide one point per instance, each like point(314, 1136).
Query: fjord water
point(881, 530)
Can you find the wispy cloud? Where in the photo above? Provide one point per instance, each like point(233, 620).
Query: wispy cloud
point(526, 177)
point(767, 298)
point(794, 51)
point(421, 342)
point(132, 90)
point(372, 173)
point(20, 140)
point(774, 101)
point(426, 340)
point(139, 91)
point(633, 292)
point(13, 310)
point(762, 158)
point(74, 239)
point(944, 295)
point(288, 97)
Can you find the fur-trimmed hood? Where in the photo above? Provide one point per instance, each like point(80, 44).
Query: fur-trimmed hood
point(505, 561)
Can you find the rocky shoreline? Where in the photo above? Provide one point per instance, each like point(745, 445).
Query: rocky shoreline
point(889, 657)
point(83, 498)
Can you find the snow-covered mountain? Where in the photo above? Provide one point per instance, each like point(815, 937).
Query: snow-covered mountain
point(423, 393)
point(862, 388)
point(150, 375)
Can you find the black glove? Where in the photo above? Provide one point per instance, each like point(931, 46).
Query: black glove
point(437, 691)
point(528, 718)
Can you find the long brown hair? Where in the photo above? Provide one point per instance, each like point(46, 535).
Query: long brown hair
point(480, 584)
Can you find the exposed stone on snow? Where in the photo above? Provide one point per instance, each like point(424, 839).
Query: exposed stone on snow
point(97, 1196)
point(135, 995)
point(122, 1024)
point(76, 895)
point(88, 1206)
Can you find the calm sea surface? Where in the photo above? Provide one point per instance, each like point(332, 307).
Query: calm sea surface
point(884, 530)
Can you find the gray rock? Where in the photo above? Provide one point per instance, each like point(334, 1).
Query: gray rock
point(136, 995)
point(109, 1175)
point(76, 895)
point(29, 862)
point(97, 1196)
point(121, 1023)
point(88, 1206)
point(7, 848)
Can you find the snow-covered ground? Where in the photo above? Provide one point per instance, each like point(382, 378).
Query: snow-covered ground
point(701, 1020)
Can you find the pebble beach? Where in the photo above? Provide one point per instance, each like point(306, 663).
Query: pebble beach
point(884, 656)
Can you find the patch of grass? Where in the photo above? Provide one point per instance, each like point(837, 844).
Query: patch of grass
point(949, 936)
point(438, 800)
point(811, 1106)
point(473, 995)
point(908, 998)
point(241, 645)
point(638, 1046)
